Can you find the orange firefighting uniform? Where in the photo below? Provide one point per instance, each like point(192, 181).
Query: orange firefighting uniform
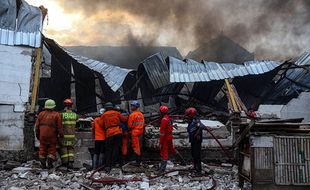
point(136, 125)
point(111, 121)
point(166, 137)
point(98, 131)
point(48, 129)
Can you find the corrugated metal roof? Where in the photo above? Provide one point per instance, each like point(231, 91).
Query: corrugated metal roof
point(23, 30)
point(157, 70)
point(294, 78)
point(113, 75)
point(193, 71)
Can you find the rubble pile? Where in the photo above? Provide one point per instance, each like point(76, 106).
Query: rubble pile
point(30, 176)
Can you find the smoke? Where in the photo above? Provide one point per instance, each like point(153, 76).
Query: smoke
point(272, 29)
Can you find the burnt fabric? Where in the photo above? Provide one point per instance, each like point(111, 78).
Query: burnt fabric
point(113, 150)
point(84, 88)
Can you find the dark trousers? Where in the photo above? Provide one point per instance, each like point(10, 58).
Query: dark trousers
point(113, 150)
point(99, 147)
point(196, 154)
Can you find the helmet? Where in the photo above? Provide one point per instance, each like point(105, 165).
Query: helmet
point(102, 110)
point(68, 102)
point(117, 108)
point(108, 105)
point(135, 103)
point(190, 112)
point(49, 104)
point(163, 109)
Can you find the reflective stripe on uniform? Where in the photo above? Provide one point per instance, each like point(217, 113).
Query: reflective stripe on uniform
point(138, 123)
point(137, 151)
point(69, 122)
point(67, 155)
point(69, 136)
point(162, 134)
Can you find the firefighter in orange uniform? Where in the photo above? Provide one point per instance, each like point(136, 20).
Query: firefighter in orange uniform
point(48, 129)
point(111, 122)
point(99, 137)
point(136, 127)
point(165, 138)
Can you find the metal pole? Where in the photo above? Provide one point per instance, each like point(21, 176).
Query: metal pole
point(36, 80)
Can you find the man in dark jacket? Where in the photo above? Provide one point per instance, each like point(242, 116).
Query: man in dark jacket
point(194, 130)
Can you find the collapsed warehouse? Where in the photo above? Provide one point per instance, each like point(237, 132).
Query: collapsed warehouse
point(226, 92)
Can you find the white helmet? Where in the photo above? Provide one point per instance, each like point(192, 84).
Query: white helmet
point(102, 110)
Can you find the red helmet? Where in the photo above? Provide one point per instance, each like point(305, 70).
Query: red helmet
point(68, 102)
point(190, 112)
point(163, 109)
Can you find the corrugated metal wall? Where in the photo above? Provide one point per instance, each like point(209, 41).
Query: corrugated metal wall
point(292, 156)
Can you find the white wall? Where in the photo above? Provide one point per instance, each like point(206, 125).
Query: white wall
point(298, 107)
point(15, 72)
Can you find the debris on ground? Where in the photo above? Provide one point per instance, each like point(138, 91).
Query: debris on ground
point(30, 176)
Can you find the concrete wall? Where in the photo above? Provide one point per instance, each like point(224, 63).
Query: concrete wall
point(15, 72)
point(11, 128)
point(298, 107)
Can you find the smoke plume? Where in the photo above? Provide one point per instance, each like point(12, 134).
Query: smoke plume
point(272, 29)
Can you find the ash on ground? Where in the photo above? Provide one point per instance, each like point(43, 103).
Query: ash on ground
point(30, 176)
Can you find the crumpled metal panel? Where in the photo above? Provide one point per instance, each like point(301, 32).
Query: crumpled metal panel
point(113, 75)
point(157, 70)
point(300, 76)
point(193, 71)
point(25, 30)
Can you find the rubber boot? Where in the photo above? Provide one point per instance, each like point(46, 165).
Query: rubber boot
point(197, 171)
point(95, 161)
point(137, 162)
point(70, 165)
point(162, 167)
point(43, 163)
point(101, 160)
point(50, 163)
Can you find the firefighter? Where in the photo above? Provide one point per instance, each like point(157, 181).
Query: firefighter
point(194, 130)
point(99, 137)
point(48, 129)
point(111, 121)
point(125, 133)
point(165, 137)
point(69, 119)
point(136, 127)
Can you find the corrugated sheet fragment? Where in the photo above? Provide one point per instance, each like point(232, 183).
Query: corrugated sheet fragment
point(113, 75)
point(192, 71)
point(25, 30)
point(157, 70)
